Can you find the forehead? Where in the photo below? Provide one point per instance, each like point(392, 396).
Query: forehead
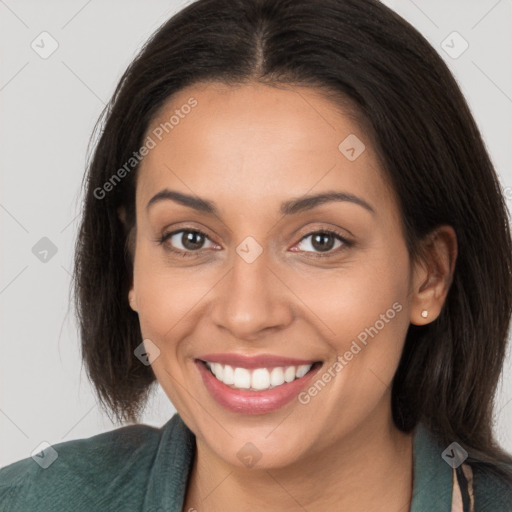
point(255, 141)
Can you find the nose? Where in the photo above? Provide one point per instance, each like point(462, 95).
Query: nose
point(252, 300)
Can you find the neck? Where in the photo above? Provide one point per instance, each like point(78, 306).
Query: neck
point(370, 469)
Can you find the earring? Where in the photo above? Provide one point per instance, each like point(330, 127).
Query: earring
point(424, 313)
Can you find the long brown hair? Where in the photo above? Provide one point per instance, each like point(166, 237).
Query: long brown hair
point(430, 149)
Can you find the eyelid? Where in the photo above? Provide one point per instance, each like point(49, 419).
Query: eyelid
point(311, 232)
point(179, 227)
point(161, 240)
point(332, 253)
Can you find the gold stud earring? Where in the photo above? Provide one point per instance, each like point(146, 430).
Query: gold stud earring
point(424, 313)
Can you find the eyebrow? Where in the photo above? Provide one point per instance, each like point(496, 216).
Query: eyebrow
point(290, 207)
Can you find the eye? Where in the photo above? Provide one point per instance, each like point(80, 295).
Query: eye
point(324, 241)
point(185, 242)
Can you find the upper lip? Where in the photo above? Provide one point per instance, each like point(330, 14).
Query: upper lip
point(261, 361)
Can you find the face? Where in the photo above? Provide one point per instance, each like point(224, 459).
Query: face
point(234, 266)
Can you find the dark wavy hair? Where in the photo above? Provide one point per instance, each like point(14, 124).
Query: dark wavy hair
point(430, 150)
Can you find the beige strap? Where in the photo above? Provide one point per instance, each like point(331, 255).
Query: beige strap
point(457, 505)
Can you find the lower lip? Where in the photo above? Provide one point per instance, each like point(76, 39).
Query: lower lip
point(253, 402)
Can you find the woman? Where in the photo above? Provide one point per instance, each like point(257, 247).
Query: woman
point(286, 226)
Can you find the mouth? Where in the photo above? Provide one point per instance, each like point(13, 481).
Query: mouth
point(257, 385)
point(258, 379)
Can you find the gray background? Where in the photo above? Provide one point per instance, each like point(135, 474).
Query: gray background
point(48, 110)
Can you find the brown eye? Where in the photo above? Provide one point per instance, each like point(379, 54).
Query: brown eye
point(185, 241)
point(191, 240)
point(323, 242)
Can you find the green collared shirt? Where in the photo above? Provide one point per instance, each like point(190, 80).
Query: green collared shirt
point(141, 468)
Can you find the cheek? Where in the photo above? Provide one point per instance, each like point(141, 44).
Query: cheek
point(366, 310)
point(373, 324)
point(170, 298)
point(366, 292)
point(344, 304)
point(165, 302)
point(163, 298)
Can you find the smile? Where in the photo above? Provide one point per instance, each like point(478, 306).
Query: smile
point(255, 385)
point(257, 379)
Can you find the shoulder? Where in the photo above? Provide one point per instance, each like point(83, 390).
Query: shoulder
point(491, 493)
point(81, 471)
point(439, 482)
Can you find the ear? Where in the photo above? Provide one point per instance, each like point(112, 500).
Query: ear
point(433, 275)
point(132, 299)
point(121, 213)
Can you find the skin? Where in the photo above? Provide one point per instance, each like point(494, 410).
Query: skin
point(249, 148)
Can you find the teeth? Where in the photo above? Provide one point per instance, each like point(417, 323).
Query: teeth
point(289, 374)
point(242, 378)
point(258, 379)
point(302, 370)
point(229, 375)
point(277, 377)
point(218, 370)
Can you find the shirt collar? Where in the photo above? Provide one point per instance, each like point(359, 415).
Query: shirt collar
point(432, 476)
point(171, 469)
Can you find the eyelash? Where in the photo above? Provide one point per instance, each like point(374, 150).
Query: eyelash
point(185, 254)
